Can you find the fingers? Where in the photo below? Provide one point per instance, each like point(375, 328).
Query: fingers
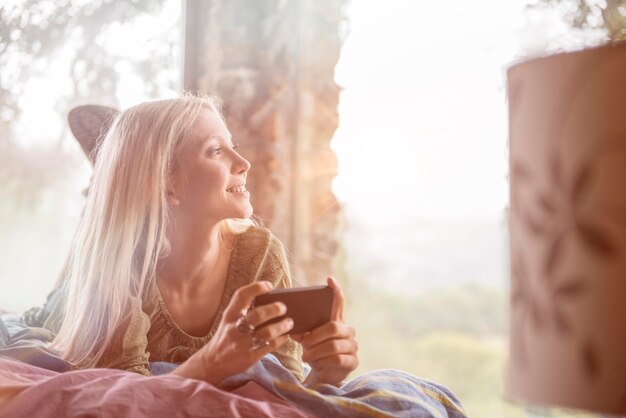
point(244, 296)
point(338, 301)
point(343, 361)
point(273, 331)
point(264, 313)
point(328, 331)
point(330, 348)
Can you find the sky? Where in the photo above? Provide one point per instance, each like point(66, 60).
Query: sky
point(430, 84)
point(423, 116)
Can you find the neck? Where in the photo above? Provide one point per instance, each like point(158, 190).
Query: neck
point(195, 249)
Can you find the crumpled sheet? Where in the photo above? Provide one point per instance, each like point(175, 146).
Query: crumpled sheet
point(51, 390)
point(27, 391)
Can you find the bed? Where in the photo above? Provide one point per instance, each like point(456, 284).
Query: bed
point(36, 383)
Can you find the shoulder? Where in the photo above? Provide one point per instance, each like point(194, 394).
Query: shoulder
point(259, 239)
point(255, 233)
point(263, 254)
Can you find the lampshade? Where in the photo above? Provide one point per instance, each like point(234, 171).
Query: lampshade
point(567, 127)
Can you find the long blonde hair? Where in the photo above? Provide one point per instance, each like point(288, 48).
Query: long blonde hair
point(121, 235)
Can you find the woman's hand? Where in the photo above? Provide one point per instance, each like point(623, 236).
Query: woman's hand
point(238, 344)
point(331, 349)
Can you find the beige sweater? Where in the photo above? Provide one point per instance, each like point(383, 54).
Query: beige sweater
point(150, 334)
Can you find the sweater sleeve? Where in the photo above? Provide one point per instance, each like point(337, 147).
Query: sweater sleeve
point(128, 348)
point(275, 268)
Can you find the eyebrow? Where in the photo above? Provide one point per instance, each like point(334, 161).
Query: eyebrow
point(215, 136)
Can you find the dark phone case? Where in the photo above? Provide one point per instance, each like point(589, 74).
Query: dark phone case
point(309, 307)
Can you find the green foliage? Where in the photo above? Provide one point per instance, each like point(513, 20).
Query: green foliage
point(609, 15)
point(34, 35)
point(467, 307)
point(27, 174)
point(471, 308)
point(33, 32)
point(454, 336)
point(444, 356)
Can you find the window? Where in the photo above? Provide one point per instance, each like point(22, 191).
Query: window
point(54, 57)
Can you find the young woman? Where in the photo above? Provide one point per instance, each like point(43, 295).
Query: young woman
point(166, 260)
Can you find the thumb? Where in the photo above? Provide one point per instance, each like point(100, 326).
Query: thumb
point(338, 301)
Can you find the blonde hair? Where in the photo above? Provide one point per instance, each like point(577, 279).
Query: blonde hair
point(121, 235)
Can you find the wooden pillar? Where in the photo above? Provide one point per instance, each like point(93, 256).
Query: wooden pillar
point(272, 62)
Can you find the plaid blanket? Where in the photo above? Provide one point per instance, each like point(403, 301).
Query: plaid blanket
point(378, 394)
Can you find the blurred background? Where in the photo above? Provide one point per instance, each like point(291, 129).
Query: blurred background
point(420, 147)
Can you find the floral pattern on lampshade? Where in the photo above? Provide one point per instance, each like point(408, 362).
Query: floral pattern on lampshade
point(567, 222)
point(554, 214)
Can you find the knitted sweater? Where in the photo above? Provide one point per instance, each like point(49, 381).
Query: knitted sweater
point(150, 334)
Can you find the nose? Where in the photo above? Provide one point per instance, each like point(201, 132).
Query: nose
point(240, 165)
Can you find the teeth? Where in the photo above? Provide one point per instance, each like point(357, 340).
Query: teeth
point(237, 189)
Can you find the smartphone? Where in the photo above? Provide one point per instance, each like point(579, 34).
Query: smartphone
point(309, 307)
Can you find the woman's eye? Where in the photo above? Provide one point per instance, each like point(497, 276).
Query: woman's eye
point(235, 146)
point(214, 151)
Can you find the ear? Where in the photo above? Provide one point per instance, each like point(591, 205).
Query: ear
point(172, 190)
point(172, 199)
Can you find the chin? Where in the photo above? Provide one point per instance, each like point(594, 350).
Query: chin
point(246, 213)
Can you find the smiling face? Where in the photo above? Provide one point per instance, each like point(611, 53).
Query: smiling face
point(209, 180)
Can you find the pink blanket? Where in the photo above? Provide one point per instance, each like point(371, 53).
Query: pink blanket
point(28, 391)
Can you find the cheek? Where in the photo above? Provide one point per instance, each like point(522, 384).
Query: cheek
point(209, 177)
point(204, 184)
point(209, 189)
